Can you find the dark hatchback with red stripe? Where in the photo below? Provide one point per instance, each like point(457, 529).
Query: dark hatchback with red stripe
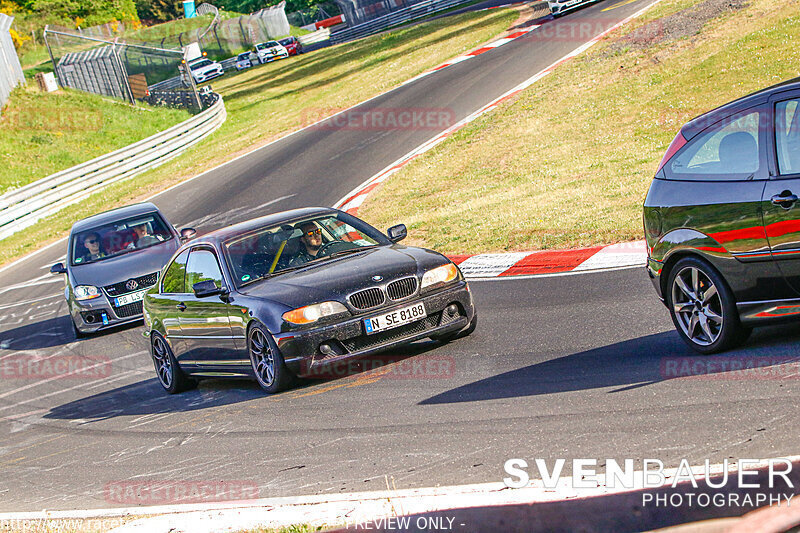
point(722, 220)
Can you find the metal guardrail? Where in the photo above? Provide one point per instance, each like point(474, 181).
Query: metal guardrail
point(23, 207)
point(427, 7)
point(407, 14)
point(320, 35)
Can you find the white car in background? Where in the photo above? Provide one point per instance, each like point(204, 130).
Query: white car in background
point(244, 60)
point(203, 69)
point(559, 7)
point(270, 51)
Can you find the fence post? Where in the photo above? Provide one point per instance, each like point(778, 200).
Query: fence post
point(126, 84)
point(49, 51)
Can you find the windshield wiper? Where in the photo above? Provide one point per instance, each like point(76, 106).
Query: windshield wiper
point(352, 250)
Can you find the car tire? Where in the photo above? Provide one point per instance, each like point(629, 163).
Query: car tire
point(702, 307)
point(266, 360)
point(168, 371)
point(458, 334)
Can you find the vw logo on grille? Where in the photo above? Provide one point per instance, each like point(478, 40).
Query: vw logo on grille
point(377, 278)
point(131, 284)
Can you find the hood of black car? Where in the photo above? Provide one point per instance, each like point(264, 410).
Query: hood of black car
point(124, 267)
point(335, 279)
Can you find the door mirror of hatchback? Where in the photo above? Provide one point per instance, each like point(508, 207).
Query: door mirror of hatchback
point(58, 268)
point(203, 289)
point(188, 234)
point(397, 233)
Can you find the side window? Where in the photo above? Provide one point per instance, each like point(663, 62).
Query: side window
point(175, 275)
point(728, 151)
point(202, 266)
point(787, 136)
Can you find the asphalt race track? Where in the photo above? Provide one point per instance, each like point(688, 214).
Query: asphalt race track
point(565, 366)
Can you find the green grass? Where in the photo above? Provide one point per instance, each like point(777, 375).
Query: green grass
point(568, 162)
point(65, 128)
point(267, 101)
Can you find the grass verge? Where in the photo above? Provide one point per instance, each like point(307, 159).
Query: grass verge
point(568, 162)
point(268, 101)
point(66, 128)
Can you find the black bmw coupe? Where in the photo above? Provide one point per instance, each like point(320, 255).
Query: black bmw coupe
point(284, 295)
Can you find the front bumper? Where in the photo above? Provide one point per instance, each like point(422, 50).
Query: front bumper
point(88, 316)
point(210, 76)
point(301, 350)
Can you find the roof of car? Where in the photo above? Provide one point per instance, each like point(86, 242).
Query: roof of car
point(113, 215)
point(227, 232)
point(700, 123)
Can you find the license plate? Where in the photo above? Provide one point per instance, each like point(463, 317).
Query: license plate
point(129, 298)
point(392, 319)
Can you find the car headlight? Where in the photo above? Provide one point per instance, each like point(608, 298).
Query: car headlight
point(86, 292)
point(312, 313)
point(439, 275)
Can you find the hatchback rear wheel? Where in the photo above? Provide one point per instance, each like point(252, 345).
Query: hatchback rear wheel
point(702, 307)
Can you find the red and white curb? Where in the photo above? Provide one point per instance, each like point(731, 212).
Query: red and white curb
point(478, 51)
point(622, 255)
point(519, 263)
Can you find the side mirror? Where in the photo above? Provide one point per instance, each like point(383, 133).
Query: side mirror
point(58, 268)
point(397, 233)
point(203, 289)
point(188, 234)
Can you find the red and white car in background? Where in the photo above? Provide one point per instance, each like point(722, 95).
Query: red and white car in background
point(292, 45)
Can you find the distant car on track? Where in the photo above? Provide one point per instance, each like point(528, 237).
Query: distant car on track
point(270, 51)
point(203, 69)
point(722, 220)
point(112, 259)
point(244, 60)
point(559, 7)
point(292, 45)
point(251, 300)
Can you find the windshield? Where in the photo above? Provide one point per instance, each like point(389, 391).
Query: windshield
point(286, 41)
point(200, 64)
point(271, 250)
point(117, 238)
point(244, 56)
point(266, 45)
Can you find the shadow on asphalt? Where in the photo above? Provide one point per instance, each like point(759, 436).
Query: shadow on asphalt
point(769, 354)
point(50, 333)
point(149, 398)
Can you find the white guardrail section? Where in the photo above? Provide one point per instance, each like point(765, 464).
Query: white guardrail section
point(23, 207)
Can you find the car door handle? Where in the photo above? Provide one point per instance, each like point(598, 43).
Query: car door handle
point(785, 199)
point(181, 306)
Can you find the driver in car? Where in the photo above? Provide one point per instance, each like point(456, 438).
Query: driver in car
point(310, 243)
point(144, 238)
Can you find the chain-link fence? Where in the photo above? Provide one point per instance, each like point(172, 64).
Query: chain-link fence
point(121, 70)
point(11, 73)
